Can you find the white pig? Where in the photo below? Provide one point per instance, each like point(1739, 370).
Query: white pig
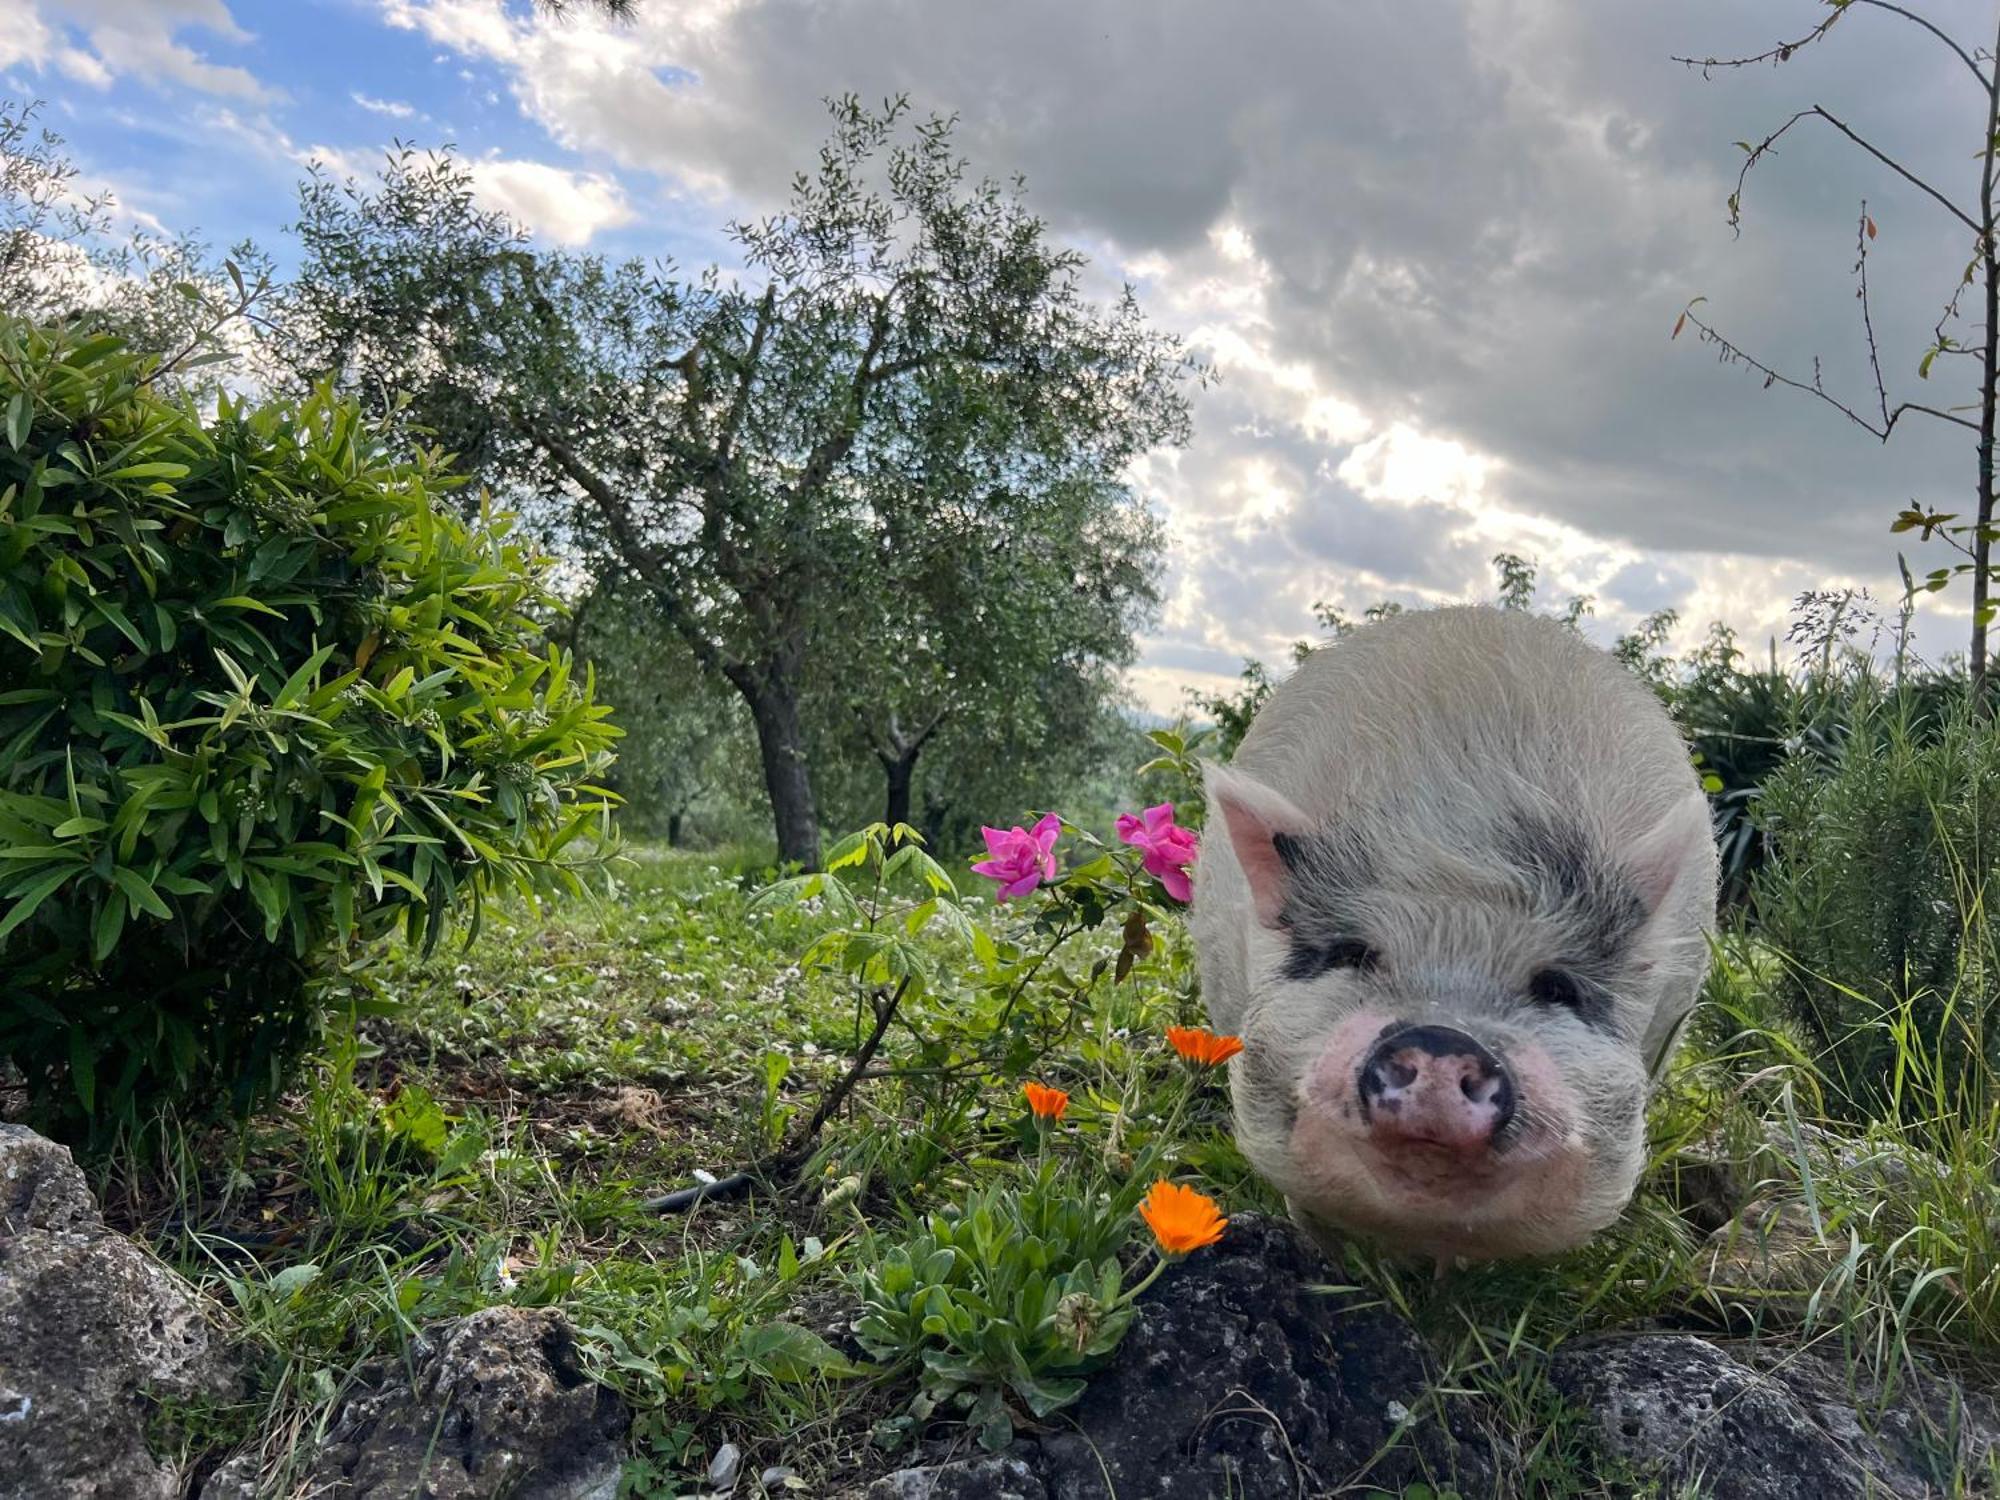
point(1455, 897)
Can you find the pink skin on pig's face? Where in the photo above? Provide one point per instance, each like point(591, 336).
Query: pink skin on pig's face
point(1525, 1198)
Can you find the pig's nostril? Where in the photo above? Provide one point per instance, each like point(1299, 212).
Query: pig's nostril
point(1408, 1076)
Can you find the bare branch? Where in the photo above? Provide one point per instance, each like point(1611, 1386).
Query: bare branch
point(1782, 53)
point(1863, 232)
point(766, 308)
point(1736, 355)
point(1779, 54)
point(1816, 112)
point(1911, 16)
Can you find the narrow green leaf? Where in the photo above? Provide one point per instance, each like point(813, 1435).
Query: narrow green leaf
point(296, 683)
point(110, 922)
point(34, 896)
point(139, 891)
point(82, 1069)
point(111, 611)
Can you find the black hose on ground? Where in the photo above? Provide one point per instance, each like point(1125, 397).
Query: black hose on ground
point(735, 1185)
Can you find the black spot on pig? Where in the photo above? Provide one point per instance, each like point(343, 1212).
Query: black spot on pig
point(1573, 883)
point(1329, 870)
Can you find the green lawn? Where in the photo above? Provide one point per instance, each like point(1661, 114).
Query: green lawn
point(492, 1138)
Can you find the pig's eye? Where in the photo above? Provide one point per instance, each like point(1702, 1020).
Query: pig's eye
point(1554, 987)
point(1349, 953)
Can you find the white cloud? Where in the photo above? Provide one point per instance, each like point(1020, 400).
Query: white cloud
point(461, 25)
point(1402, 465)
point(394, 109)
point(565, 207)
point(136, 38)
point(26, 38)
point(82, 66)
point(1433, 252)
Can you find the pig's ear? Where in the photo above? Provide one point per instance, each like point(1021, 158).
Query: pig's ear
point(1665, 854)
point(1260, 825)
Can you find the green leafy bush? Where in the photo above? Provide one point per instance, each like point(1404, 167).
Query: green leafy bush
point(1877, 891)
point(1019, 1292)
point(262, 701)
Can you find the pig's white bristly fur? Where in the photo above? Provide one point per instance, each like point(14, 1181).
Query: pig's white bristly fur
point(1418, 739)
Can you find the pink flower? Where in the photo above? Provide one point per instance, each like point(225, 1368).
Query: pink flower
point(1022, 858)
point(1169, 849)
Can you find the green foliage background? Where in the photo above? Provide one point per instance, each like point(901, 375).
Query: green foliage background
point(262, 700)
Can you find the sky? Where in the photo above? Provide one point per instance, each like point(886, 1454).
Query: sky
point(1433, 250)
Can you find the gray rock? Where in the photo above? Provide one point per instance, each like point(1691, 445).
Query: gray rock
point(1238, 1378)
point(1771, 1259)
point(982, 1479)
point(40, 1186)
point(91, 1327)
point(1714, 1179)
point(499, 1406)
point(239, 1477)
point(1780, 1423)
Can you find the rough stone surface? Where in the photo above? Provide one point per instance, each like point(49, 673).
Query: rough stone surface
point(499, 1406)
point(239, 1477)
point(1770, 1254)
point(1714, 1179)
point(40, 1187)
point(90, 1326)
point(1779, 1424)
point(981, 1479)
point(1237, 1379)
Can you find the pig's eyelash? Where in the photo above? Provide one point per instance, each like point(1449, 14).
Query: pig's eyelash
point(1350, 953)
point(1560, 989)
point(1309, 960)
point(1556, 987)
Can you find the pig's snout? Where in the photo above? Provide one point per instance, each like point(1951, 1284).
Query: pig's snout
point(1435, 1086)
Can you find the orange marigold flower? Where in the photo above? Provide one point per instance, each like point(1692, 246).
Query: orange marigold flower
point(1181, 1218)
point(1200, 1045)
point(1047, 1103)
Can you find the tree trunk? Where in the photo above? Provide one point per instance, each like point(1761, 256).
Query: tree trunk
point(781, 742)
point(674, 829)
point(900, 771)
point(1982, 546)
point(935, 812)
point(897, 754)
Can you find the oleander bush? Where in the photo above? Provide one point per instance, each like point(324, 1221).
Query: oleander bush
point(263, 700)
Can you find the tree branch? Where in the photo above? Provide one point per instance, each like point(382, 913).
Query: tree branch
point(1736, 355)
point(642, 558)
point(1862, 233)
point(1783, 51)
point(726, 443)
point(835, 446)
point(1817, 112)
point(885, 1006)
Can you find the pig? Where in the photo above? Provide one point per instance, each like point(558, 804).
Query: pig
point(1455, 895)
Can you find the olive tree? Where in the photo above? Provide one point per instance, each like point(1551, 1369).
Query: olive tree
point(902, 348)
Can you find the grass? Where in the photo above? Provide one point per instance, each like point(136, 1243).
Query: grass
point(491, 1139)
